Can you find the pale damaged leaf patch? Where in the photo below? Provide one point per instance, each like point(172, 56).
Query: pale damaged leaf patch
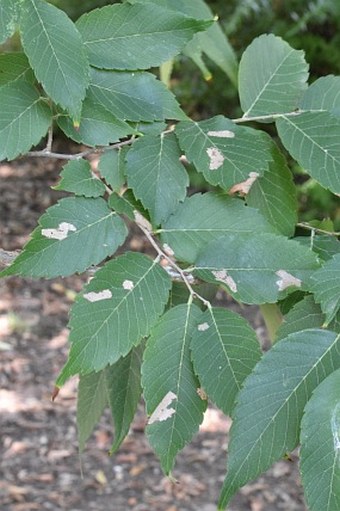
point(221, 134)
point(162, 411)
point(202, 394)
point(203, 327)
point(100, 295)
point(286, 280)
point(244, 187)
point(335, 427)
point(216, 158)
point(60, 233)
point(168, 250)
point(223, 276)
point(128, 284)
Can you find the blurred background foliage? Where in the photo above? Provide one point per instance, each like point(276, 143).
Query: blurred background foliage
point(311, 25)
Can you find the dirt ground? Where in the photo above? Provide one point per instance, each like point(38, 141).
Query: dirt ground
point(40, 468)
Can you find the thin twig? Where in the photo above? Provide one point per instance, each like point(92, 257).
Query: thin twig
point(316, 229)
point(273, 116)
point(182, 273)
point(45, 153)
point(49, 142)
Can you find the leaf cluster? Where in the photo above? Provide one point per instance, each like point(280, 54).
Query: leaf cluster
point(147, 325)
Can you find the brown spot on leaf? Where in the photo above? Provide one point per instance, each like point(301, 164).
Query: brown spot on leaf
point(244, 187)
point(222, 276)
point(202, 394)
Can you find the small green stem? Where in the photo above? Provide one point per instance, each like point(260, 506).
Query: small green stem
point(272, 318)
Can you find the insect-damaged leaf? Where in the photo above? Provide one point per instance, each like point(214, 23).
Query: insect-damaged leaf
point(224, 351)
point(170, 385)
point(224, 152)
point(253, 274)
point(203, 218)
point(320, 444)
point(56, 247)
point(117, 309)
point(266, 419)
point(136, 36)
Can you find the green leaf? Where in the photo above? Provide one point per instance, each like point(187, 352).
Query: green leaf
point(323, 94)
point(203, 218)
point(150, 128)
point(272, 77)
point(56, 53)
point(77, 177)
point(304, 314)
point(326, 287)
point(72, 235)
point(266, 419)
point(124, 391)
point(97, 126)
point(25, 118)
point(117, 309)
point(13, 67)
point(92, 400)
point(156, 175)
point(320, 443)
point(170, 385)
point(224, 352)
point(225, 153)
point(117, 386)
point(112, 167)
point(135, 96)
point(122, 205)
point(8, 19)
point(212, 41)
point(180, 294)
point(274, 194)
point(313, 139)
point(215, 45)
point(135, 36)
point(324, 245)
point(250, 272)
